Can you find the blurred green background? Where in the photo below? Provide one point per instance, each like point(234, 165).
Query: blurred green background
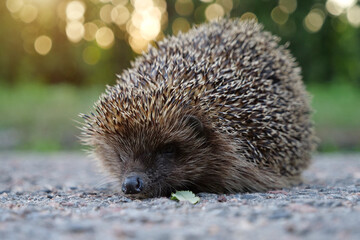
point(56, 56)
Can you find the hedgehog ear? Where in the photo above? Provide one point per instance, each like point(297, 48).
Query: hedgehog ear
point(194, 123)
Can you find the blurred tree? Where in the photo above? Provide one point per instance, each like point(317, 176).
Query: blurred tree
point(86, 42)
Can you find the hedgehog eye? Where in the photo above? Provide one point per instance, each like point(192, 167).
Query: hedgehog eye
point(168, 149)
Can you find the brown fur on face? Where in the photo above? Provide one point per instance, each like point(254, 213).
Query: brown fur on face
point(219, 109)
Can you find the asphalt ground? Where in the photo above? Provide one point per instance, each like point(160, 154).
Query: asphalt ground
point(61, 196)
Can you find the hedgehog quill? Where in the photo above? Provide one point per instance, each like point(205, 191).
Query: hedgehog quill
point(221, 108)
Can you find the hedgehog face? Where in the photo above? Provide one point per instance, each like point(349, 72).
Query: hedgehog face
point(149, 161)
point(150, 171)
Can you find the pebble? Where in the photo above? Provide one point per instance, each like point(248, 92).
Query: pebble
point(78, 228)
point(222, 198)
point(280, 214)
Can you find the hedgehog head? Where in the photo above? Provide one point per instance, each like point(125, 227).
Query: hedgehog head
point(151, 141)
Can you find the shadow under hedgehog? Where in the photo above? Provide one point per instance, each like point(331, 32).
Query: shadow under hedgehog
point(221, 108)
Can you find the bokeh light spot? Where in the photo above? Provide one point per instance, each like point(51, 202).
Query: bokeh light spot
point(137, 18)
point(353, 15)
point(161, 5)
point(314, 20)
point(226, 4)
point(91, 55)
point(214, 11)
point(333, 8)
point(344, 4)
point(132, 30)
point(336, 7)
point(150, 28)
point(138, 44)
point(153, 12)
point(180, 24)
point(28, 13)
point(288, 6)
point(248, 15)
point(145, 23)
point(43, 45)
point(104, 37)
point(75, 31)
point(75, 10)
point(120, 14)
point(105, 13)
point(141, 5)
point(279, 16)
point(14, 5)
point(184, 7)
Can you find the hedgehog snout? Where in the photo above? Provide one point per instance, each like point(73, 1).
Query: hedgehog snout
point(132, 184)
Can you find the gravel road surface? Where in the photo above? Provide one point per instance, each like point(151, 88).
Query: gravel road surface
point(60, 196)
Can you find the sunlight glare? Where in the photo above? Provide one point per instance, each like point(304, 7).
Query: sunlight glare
point(75, 10)
point(142, 4)
point(336, 7)
point(75, 31)
point(150, 28)
point(104, 37)
point(145, 22)
point(138, 44)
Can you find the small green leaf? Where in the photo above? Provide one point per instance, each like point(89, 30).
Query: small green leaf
point(185, 196)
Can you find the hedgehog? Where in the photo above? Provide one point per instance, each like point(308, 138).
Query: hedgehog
point(220, 109)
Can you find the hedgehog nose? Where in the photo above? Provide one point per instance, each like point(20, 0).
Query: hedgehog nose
point(132, 185)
